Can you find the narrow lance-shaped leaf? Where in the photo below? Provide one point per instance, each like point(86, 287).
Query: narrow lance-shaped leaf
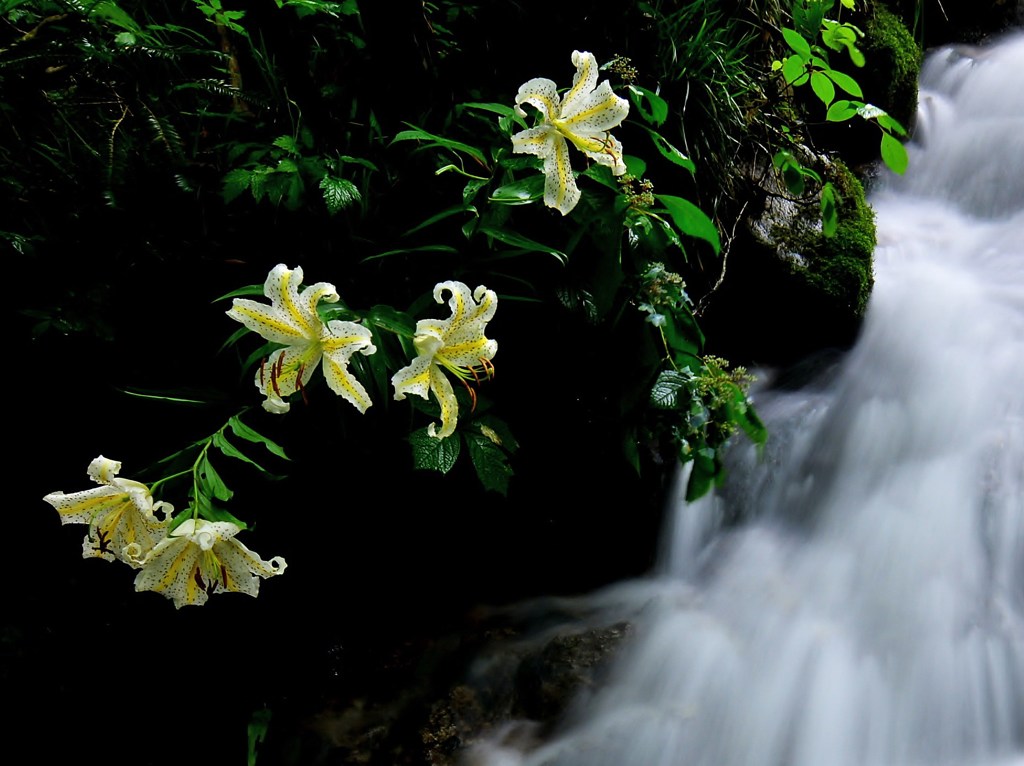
point(242, 431)
point(230, 450)
point(691, 220)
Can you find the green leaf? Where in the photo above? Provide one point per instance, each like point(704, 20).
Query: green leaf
point(691, 220)
point(841, 111)
point(221, 442)
point(113, 13)
point(416, 134)
point(338, 193)
point(518, 240)
point(658, 112)
point(823, 87)
point(521, 192)
point(434, 454)
point(506, 112)
point(446, 213)
point(287, 143)
point(797, 42)
point(665, 392)
point(391, 319)
point(829, 210)
point(894, 154)
point(742, 412)
point(669, 152)
point(845, 82)
point(210, 481)
point(888, 123)
point(235, 182)
point(703, 476)
point(420, 249)
point(162, 397)
point(794, 70)
point(490, 462)
point(242, 431)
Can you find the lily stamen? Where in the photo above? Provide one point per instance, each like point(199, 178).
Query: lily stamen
point(274, 373)
point(488, 366)
point(472, 394)
point(299, 385)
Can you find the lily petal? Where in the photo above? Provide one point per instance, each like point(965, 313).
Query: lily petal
point(445, 395)
point(413, 378)
point(560, 190)
point(344, 340)
point(541, 93)
point(595, 112)
point(279, 376)
point(267, 321)
point(539, 141)
point(170, 569)
point(201, 558)
point(583, 81)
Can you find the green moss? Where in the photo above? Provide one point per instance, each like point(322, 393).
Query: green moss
point(837, 270)
point(842, 266)
point(894, 59)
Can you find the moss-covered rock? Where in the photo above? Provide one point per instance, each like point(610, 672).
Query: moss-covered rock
point(894, 64)
point(790, 291)
point(839, 267)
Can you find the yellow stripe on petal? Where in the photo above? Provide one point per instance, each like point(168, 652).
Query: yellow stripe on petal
point(290, 301)
point(583, 81)
point(560, 191)
point(267, 322)
point(442, 390)
point(344, 384)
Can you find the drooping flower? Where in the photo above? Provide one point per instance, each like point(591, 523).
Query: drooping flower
point(456, 344)
point(201, 558)
point(583, 116)
point(291, 319)
point(120, 513)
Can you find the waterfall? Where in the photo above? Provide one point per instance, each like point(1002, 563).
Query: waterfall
point(867, 608)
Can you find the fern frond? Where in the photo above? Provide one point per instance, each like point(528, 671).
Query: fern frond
point(165, 133)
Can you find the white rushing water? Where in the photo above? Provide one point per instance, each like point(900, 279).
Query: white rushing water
point(868, 608)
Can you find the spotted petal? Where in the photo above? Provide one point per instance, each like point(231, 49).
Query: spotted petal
point(596, 112)
point(445, 395)
point(465, 343)
point(341, 342)
point(583, 81)
point(279, 376)
point(291, 318)
point(560, 190)
point(120, 514)
point(202, 557)
point(414, 378)
point(541, 93)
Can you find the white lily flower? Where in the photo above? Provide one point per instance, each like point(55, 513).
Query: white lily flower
point(201, 558)
point(291, 319)
point(456, 344)
point(120, 514)
point(583, 116)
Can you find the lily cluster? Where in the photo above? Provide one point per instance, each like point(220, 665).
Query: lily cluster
point(187, 563)
point(456, 344)
point(583, 116)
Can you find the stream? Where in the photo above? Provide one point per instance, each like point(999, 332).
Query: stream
point(854, 596)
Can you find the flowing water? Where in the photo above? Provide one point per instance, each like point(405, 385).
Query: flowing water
point(865, 606)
